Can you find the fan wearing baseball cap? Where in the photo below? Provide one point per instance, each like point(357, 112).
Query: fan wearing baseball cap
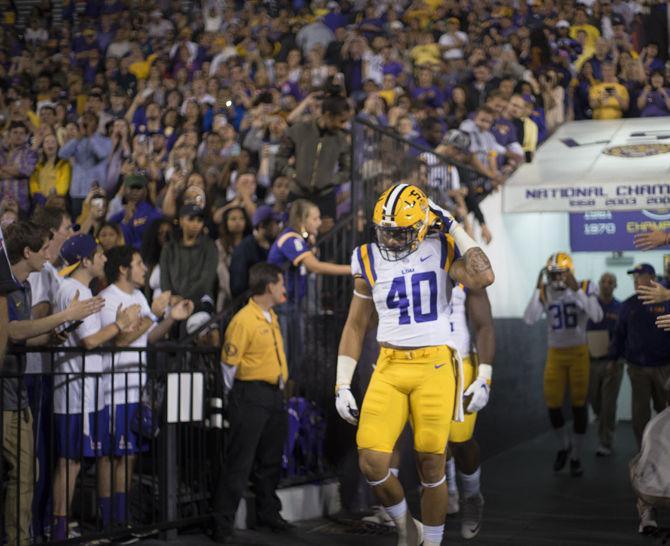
point(80, 417)
point(645, 347)
point(188, 262)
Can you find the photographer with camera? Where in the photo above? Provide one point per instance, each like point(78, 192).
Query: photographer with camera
point(609, 99)
point(94, 211)
point(322, 156)
point(119, 133)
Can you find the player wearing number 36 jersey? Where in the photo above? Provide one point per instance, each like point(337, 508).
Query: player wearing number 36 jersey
point(568, 306)
point(407, 276)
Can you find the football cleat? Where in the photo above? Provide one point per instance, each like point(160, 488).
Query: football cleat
point(380, 517)
point(576, 469)
point(647, 514)
point(561, 459)
point(603, 451)
point(648, 523)
point(471, 522)
point(414, 532)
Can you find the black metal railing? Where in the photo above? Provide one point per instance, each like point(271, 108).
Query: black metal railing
point(154, 464)
point(311, 327)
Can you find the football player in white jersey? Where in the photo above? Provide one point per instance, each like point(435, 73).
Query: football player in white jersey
point(473, 306)
point(407, 276)
point(568, 306)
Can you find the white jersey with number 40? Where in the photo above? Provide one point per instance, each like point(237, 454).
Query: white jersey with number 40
point(411, 295)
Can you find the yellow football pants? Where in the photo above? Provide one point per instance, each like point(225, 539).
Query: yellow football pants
point(569, 366)
point(463, 431)
point(419, 384)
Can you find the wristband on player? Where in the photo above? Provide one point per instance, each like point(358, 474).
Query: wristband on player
point(463, 241)
point(485, 371)
point(345, 371)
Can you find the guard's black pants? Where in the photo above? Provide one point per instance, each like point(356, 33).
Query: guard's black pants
point(258, 428)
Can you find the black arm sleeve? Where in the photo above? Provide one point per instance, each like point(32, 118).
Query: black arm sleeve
point(472, 202)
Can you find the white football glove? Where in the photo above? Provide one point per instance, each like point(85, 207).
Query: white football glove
point(346, 406)
point(444, 215)
point(479, 389)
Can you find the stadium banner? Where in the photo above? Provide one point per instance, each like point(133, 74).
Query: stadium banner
point(612, 230)
point(596, 165)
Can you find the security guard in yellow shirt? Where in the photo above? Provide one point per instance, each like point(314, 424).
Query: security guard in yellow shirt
point(255, 372)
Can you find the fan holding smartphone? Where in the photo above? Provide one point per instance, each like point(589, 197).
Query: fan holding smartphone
point(609, 99)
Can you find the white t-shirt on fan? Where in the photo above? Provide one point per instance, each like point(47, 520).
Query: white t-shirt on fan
point(127, 368)
point(74, 370)
point(43, 288)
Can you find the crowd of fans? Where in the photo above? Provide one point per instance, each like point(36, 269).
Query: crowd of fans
point(122, 113)
point(211, 136)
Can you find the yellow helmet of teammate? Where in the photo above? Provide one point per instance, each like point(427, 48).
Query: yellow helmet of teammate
point(560, 261)
point(557, 266)
point(402, 218)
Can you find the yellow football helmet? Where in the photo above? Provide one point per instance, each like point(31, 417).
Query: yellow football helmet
point(560, 261)
point(557, 266)
point(402, 218)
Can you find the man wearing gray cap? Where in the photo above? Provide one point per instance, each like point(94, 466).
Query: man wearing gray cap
point(645, 347)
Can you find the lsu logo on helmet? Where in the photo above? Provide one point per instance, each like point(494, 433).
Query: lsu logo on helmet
point(558, 264)
point(402, 218)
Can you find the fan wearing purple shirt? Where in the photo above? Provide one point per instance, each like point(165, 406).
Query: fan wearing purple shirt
point(654, 99)
point(425, 90)
point(504, 130)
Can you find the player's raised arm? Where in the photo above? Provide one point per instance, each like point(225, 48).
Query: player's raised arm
point(351, 344)
point(535, 306)
point(473, 269)
point(587, 298)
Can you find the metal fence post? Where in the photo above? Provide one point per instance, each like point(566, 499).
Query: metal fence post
point(169, 485)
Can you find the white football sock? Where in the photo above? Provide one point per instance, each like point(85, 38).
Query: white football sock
point(577, 443)
point(452, 486)
point(470, 483)
point(398, 513)
point(432, 535)
point(563, 437)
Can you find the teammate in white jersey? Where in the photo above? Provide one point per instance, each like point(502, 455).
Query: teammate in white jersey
point(407, 276)
point(473, 306)
point(568, 306)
